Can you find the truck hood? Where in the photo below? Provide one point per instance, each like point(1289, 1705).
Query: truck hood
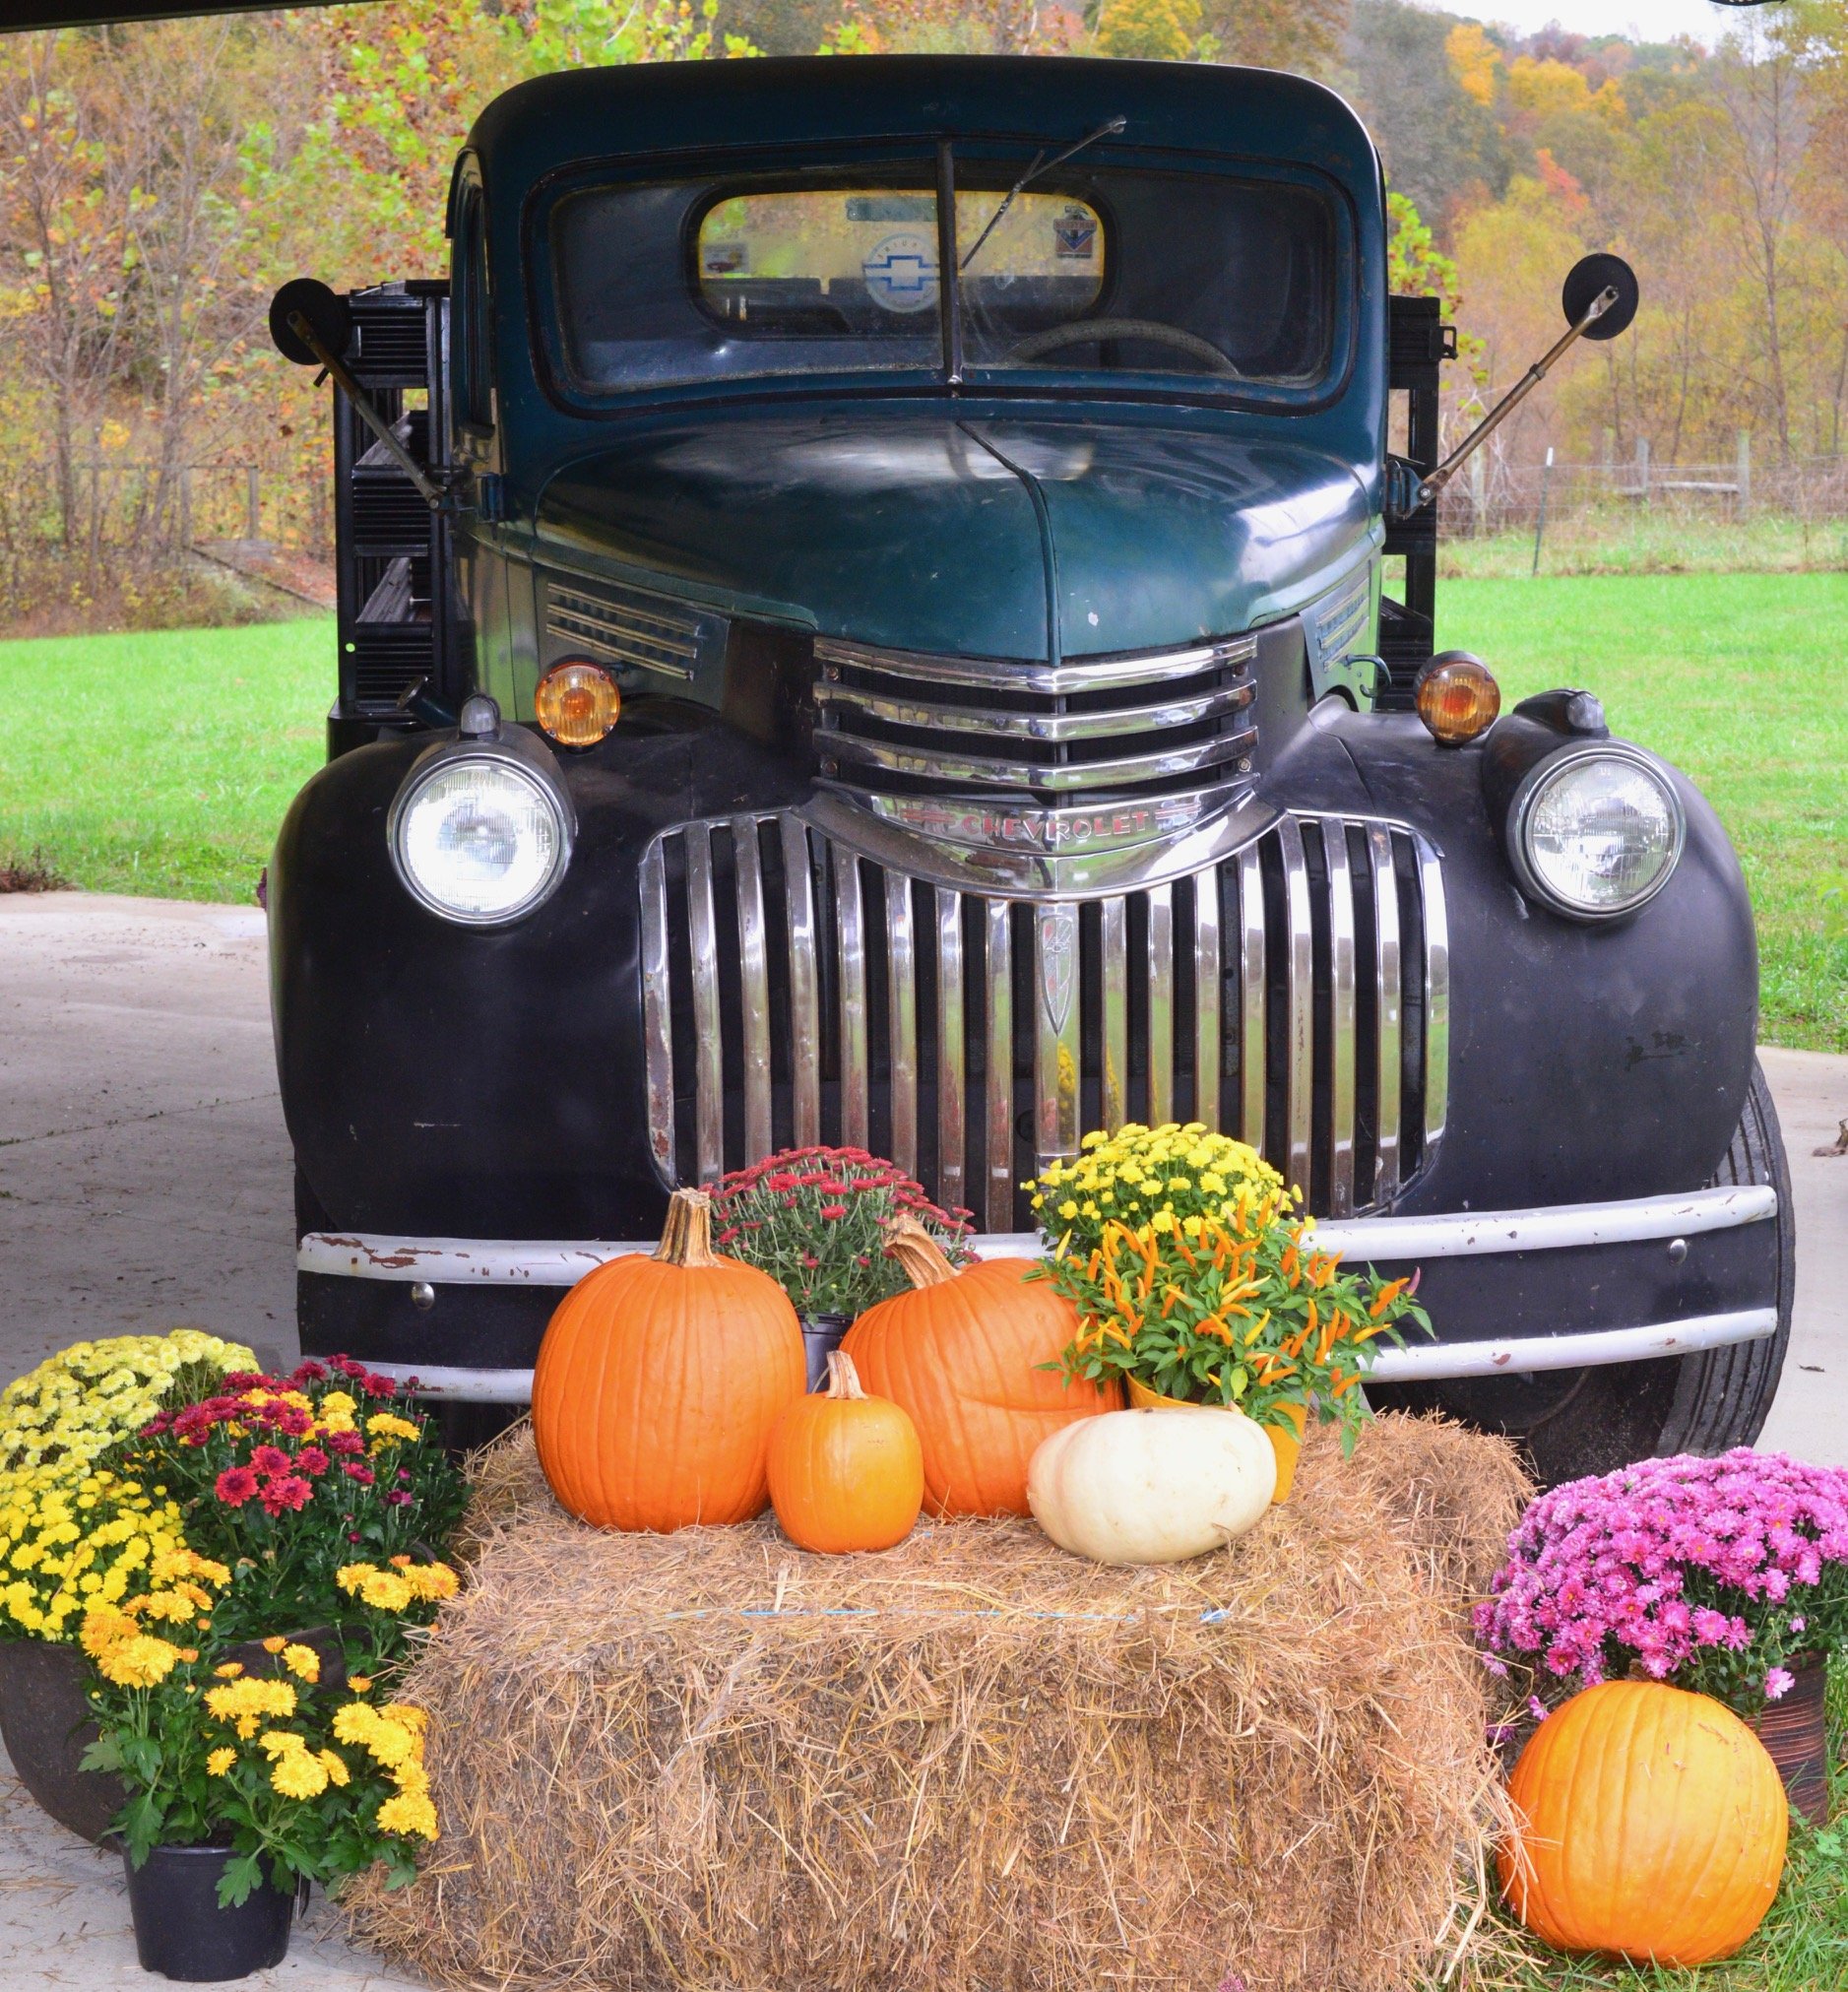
point(973, 538)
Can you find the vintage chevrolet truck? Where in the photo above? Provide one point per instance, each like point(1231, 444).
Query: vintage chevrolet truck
point(877, 606)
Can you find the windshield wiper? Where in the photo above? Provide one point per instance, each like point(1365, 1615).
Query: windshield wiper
point(1041, 164)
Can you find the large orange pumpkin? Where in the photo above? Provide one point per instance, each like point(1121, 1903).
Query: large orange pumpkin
point(963, 1352)
point(845, 1470)
point(659, 1379)
point(1653, 1827)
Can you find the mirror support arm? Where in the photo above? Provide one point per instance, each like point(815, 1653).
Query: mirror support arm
point(430, 492)
point(1430, 486)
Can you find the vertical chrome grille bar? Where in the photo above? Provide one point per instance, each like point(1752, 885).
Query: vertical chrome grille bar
point(754, 978)
point(850, 921)
point(1115, 1089)
point(1436, 994)
point(799, 900)
point(902, 1020)
point(1055, 1002)
point(1161, 900)
point(1299, 981)
point(708, 1048)
point(1344, 1017)
point(1206, 989)
point(1387, 1004)
point(1253, 999)
point(952, 1186)
point(657, 1014)
point(999, 1199)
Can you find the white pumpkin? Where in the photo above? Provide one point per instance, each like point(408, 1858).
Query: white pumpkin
point(1152, 1486)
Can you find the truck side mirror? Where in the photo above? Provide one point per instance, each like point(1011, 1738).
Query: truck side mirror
point(326, 313)
point(1587, 280)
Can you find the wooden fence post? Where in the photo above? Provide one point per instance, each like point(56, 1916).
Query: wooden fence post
point(1477, 522)
point(1744, 501)
point(253, 522)
point(1642, 469)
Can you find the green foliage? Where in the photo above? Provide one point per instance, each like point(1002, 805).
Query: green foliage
point(1154, 30)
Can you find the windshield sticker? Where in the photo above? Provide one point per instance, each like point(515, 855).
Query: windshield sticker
point(892, 208)
point(725, 259)
point(1074, 235)
point(901, 272)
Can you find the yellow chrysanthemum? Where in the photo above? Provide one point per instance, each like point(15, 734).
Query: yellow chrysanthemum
point(297, 1775)
point(220, 1761)
point(302, 1661)
point(408, 1813)
point(335, 1765)
point(139, 1662)
point(388, 1425)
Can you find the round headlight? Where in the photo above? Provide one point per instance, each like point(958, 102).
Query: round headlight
point(1597, 832)
point(478, 839)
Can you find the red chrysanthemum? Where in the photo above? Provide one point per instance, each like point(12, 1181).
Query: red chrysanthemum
point(312, 1461)
point(235, 1485)
point(270, 1459)
point(285, 1491)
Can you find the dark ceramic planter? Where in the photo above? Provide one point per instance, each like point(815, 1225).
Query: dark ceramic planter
point(181, 1932)
point(1795, 1730)
point(46, 1725)
point(821, 1336)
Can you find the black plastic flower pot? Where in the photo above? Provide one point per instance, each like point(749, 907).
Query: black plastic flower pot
point(822, 1335)
point(181, 1932)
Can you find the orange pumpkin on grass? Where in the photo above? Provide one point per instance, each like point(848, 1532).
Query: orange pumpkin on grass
point(845, 1470)
point(964, 1353)
point(659, 1379)
point(1653, 1827)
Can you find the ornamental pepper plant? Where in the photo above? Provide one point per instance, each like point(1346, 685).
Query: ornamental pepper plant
point(815, 1220)
point(308, 1780)
point(1713, 1574)
point(1231, 1304)
point(289, 1481)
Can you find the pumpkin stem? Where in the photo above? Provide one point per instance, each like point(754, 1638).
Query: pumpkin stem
point(686, 1236)
point(917, 1253)
point(843, 1378)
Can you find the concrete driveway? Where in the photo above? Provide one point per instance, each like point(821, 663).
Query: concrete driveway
point(145, 1177)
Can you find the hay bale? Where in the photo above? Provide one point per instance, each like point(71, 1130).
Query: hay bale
point(971, 1763)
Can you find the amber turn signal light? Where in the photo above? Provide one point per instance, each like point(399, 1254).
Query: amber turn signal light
point(576, 704)
point(1457, 696)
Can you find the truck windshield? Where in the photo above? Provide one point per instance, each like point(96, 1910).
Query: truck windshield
point(1185, 277)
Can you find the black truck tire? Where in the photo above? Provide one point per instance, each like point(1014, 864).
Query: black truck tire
point(1575, 1422)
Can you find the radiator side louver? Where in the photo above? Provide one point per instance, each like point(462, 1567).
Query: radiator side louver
point(1295, 994)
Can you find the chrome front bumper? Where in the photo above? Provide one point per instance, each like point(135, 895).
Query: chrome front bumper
point(438, 1262)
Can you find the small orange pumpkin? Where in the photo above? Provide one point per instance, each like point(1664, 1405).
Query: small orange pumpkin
point(1653, 1827)
point(964, 1353)
point(658, 1382)
point(845, 1470)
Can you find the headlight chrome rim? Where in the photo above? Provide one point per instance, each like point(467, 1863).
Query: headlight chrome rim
point(1540, 777)
point(447, 760)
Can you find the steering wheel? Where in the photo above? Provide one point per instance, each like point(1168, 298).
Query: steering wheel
point(1083, 330)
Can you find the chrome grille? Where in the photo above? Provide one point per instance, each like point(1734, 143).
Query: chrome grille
point(905, 721)
point(1295, 994)
point(623, 626)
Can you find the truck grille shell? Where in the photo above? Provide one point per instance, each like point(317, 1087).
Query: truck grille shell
point(1133, 724)
point(1295, 994)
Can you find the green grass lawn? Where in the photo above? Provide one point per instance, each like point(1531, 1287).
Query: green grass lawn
point(162, 763)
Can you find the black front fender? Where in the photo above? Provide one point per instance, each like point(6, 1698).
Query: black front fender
point(1586, 1060)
